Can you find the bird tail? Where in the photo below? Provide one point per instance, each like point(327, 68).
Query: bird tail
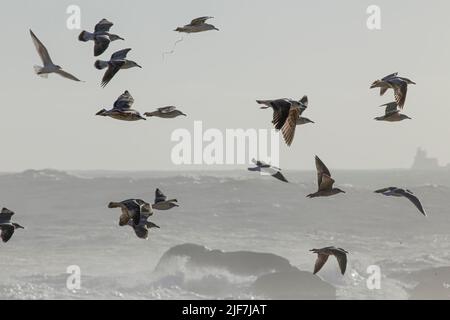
point(100, 64)
point(38, 70)
point(85, 36)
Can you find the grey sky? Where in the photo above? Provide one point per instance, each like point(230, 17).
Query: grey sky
point(265, 49)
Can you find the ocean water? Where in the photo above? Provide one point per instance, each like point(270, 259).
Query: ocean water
point(262, 228)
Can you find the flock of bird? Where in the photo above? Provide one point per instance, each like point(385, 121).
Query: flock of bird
point(287, 115)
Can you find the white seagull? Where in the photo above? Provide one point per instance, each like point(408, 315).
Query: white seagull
point(49, 66)
point(268, 169)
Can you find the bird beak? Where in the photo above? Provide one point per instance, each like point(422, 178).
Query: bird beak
point(139, 66)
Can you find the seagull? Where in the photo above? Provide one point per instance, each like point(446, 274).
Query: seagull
point(7, 227)
point(287, 115)
point(48, 67)
point(165, 112)
point(398, 84)
point(141, 228)
point(324, 182)
point(122, 109)
point(324, 253)
point(398, 192)
point(101, 36)
point(197, 25)
point(267, 168)
point(118, 61)
point(392, 113)
point(161, 202)
point(131, 210)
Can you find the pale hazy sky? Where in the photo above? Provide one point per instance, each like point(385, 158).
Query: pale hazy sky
point(265, 49)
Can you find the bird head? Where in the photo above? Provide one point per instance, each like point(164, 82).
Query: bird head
point(114, 37)
point(308, 120)
point(134, 64)
point(340, 190)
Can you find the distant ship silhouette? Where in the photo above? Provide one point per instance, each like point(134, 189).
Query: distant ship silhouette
point(423, 162)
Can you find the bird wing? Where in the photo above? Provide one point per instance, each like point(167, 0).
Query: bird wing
point(279, 176)
point(321, 171)
point(141, 231)
point(121, 54)
point(400, 91)
point(41, 49)
point(167, 109)
point(385, 189)
point(326, 182)
point(6, 214)
point(414, 200)
point(390, 76)
point(341, 257)
point(124, 217)
point(199, 21)
point(67, 75)
point(288, 129)
point(281, 109)
point(391, 108)
point(124, 101)
point(101, 44)
point(6, 232)
point(103, 26)
point(320, 261)
point(303, 104)
point(159, 196)
point(113, 68)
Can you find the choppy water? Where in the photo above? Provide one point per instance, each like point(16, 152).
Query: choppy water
point(67, 223)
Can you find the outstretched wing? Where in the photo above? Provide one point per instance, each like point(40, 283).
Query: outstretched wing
point(167, 109)
point(281, 109)
point(121, 54)
point(159, 196)
point(113, 68)
point(390, 76)
point(383, 190)
point(341, 258)
point(41, 49)
point(414, 200)
point(324, 179)
point(103, 26)
point(391, 108)
point(199, 21)
point(67, 75)
point(400, 91)
point(124, 101)
point(101, 44)
point(320, 261)
point(279, 176)
point(6, 214)
point(6, 232)
point(288, 129)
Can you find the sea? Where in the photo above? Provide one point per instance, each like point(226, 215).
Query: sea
point(235, 235)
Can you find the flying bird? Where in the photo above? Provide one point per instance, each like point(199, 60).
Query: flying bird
point(161, 202)
point(324, 253)
point(7, 227)
point(122, 109)
point(287, 115)
point(131, 210)
point(165, 112)
point(392, 113)
point(398, 84)
point(49, 66)
point(268, 169)
point(197, 25)
point(398, 192)
point(101, 36)
point(117, 61)
point(324, 182)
